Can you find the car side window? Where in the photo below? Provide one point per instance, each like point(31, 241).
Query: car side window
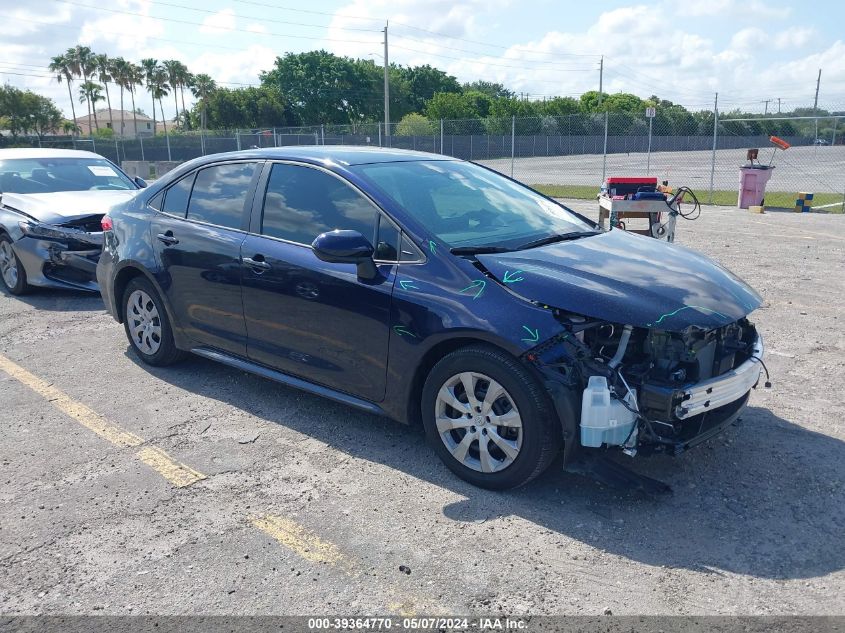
point(387, 242)
point(155, 201)
point(220, 194)
point(176, 197)
point(302, 202)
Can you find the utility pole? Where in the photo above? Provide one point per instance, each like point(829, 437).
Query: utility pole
point(816, 105)
point(766, 107)
point(601, 77)
point(778, 105)
point(386, 91)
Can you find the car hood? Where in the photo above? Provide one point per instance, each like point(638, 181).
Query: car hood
point(55, 208)
point(628, 279)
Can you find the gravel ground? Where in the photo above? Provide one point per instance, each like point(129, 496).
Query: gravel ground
point(754, 525)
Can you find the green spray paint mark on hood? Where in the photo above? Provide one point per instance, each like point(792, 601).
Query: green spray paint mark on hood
point(671, 314)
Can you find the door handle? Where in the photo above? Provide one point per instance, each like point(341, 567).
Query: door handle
point(167, 238)
point(256, 262)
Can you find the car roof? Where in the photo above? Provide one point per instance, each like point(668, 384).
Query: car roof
point(338, 154)
point(40, 152)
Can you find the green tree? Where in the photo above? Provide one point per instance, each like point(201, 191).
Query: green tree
point(121, 75)
point(61, 67)
point(253, 107)
point(202, 88)
point(491, 89)
point(103, 68)
point(150, 70)
point(23, 111)
point(325, 88)
point(81, 62)
point(414, 124)
point(90, 92)
point(420, 83)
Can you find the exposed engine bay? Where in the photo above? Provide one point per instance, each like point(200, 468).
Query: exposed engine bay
point(651, 389)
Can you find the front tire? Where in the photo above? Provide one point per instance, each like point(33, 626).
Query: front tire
point(147, 325)
point(12, 272)
point(489, 419)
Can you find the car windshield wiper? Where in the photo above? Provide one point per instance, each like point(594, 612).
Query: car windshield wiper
point(559, 237)
point(478, 250)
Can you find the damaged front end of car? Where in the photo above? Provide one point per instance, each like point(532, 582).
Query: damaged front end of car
point(61, 255)
point(646, 389)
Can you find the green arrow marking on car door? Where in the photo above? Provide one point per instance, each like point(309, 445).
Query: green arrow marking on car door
point(511, 278)
point(401, 330)
point(478, 285)
point(407, 284)
point(534, 334)
point(432, 247)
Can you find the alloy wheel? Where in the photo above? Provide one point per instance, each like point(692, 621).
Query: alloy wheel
point(478, 421)
point(144, 322)
point(8, 264)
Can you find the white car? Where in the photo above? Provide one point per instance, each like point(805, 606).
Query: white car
point(51, 204)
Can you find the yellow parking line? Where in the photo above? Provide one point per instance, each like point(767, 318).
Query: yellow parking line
point(300, 540)
point(175, 472)
point(76, 410)
point(295, 537)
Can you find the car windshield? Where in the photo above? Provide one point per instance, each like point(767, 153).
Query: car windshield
point(51, 175)
point(468, 206)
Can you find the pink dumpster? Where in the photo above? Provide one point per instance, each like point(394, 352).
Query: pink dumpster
point(752, 185)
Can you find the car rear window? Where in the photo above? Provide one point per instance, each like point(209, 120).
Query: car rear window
point(220, 194)
point(176, 197)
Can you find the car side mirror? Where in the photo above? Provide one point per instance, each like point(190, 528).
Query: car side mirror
point(140, 182)
point(346, 247)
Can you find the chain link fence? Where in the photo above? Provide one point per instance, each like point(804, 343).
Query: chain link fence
point(566, 156)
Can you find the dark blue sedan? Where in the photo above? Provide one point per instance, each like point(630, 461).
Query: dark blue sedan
point(430, 289)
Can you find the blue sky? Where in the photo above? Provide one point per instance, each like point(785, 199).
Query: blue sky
point(747, 50)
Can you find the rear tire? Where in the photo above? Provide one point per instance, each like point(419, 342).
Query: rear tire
point(147, 325)
point(12, 272)
point(502, 435)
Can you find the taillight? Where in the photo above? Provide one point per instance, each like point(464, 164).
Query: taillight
point(106, 223)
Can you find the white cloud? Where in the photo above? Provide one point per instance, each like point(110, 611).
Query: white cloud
point(122, 33)
point(230, 66)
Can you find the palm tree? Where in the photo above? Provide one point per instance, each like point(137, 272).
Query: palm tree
point(202, 87)
point(186, 82)
point(81, 63)
point(134, 78)
point(160, 89)
point(102, 65)
point(119, 70)
point(173, 68)
point(149, 67)
point(91, 92)
point(70, 127)
point(62, 69)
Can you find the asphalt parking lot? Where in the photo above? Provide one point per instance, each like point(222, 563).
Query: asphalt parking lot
point(201, 489)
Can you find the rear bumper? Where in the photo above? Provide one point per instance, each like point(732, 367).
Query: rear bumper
point(52, 264)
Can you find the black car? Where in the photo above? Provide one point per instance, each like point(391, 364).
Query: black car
point(426, 288)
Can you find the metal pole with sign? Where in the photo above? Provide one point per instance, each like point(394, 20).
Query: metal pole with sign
point(649, 112)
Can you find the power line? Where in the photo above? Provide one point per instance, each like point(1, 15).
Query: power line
point(470, 61)
point(472, 52)
point(499, 46)
point(253, 17)
point(177, 21)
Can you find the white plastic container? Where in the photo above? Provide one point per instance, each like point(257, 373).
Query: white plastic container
point(604, 420)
